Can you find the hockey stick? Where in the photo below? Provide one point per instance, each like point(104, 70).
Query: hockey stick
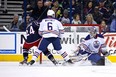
point(84, 59)
point(81, 59)
point(6, 29)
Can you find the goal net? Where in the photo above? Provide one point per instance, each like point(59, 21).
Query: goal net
point(79, 32)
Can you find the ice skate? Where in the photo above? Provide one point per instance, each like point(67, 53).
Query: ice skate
point(23, 62)
point(68, 62)
point(31, 62)
point(56, 63)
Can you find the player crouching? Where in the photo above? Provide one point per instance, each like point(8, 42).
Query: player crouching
point(93, 47)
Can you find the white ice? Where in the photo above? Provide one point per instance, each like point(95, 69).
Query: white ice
point(13, 69)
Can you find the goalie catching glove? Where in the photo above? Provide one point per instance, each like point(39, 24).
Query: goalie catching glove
point(104, 51)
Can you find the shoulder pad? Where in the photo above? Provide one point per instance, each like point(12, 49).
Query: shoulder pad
point(87, 37)
point(100, 35)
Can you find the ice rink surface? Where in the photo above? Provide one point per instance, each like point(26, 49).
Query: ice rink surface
point(47, 69)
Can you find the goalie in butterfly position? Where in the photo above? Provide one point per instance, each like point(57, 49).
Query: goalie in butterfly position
point(94, 46)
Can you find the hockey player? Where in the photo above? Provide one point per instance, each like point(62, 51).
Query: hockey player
point(94, 46)
point(51, 31)
point(32, 41)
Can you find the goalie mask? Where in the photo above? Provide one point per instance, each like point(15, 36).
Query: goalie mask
point(93, 31)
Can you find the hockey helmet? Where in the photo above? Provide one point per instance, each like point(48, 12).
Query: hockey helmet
point(93, 31)
point(51, 13)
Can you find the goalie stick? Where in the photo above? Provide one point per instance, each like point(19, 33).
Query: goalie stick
point(83, 58)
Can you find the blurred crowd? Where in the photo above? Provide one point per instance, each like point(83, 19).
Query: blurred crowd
point(101, 12)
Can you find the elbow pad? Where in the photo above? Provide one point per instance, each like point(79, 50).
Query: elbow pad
point(61, 36)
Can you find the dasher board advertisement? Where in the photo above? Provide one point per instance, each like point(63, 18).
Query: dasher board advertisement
point(7, 43)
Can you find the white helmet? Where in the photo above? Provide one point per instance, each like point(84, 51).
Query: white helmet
point(51, 13)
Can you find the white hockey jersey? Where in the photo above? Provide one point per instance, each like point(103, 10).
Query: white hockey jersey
point(94, 44)
point(50, 27)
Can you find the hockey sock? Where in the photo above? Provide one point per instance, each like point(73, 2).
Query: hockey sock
point(36, 54)
point(64, 55)
point(25, 54)
point(49, 55)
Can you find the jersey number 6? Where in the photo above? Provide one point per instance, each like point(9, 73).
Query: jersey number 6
point(49, 25)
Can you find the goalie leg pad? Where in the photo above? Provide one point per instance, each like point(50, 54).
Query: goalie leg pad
point(95, 57)
point(101, 61)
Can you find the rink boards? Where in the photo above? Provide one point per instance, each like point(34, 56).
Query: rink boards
point(11, 45)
